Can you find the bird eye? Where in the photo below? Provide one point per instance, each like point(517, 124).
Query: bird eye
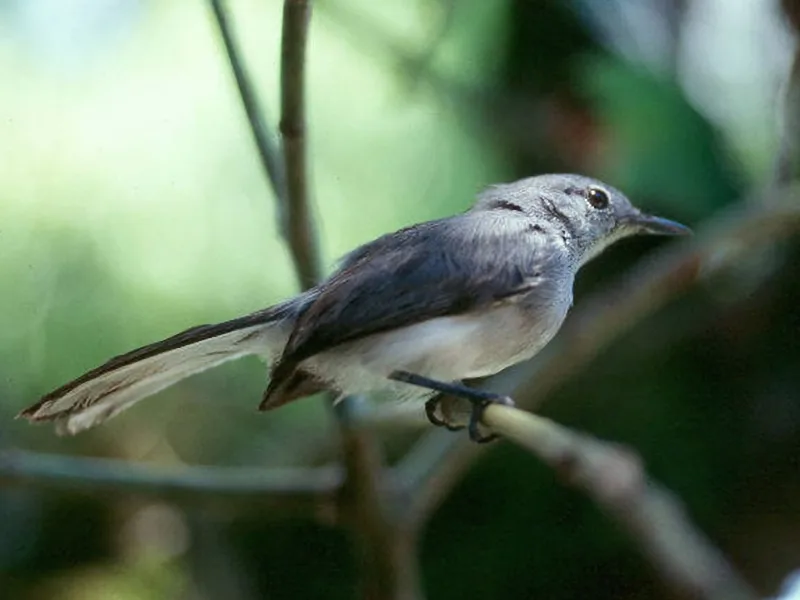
point(597, 198)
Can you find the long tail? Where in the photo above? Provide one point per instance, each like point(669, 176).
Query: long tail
point(124, 380)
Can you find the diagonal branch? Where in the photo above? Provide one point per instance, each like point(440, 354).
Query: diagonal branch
point(309, 491)
point(263, 138)
point(302, 238)
point(614, 478)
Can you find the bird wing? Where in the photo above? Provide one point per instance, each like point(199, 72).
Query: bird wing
point(446, 267)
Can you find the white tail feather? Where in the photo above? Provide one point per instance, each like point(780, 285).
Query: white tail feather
point(108, 390)
point(143, 379)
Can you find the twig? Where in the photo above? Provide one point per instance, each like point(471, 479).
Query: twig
point(388, 561)
point(369, 506)
point(302, 237)
point(267, 148)
point(600, 319)
point(614, 478)
point(310, 491)
point(787, 160)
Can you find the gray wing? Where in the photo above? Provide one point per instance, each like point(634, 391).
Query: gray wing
point(439, 268)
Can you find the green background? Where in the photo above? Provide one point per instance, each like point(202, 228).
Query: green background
point(132, 205)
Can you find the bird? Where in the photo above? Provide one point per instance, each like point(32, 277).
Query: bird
point(419, 312)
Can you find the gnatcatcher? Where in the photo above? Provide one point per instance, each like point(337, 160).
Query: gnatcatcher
point(416, 312)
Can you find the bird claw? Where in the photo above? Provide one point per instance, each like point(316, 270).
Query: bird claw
point(431, 407)
point(478, 406)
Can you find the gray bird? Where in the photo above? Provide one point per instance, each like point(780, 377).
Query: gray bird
point(416, 312)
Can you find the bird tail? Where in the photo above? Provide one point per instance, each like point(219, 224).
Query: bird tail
point(124, 380)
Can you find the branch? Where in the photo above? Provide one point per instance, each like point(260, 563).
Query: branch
point(311, 491)
point(600, 319)
point(267, 148)
point(302, 237)
point(613, 477)
point(370, 497)
point(787, 160)
point(387, 555)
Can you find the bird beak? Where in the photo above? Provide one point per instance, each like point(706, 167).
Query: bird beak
point(656, 225)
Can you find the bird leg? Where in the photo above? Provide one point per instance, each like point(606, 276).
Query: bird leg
point(478, 398)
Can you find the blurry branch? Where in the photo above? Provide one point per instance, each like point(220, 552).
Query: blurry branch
point(787, 161)
point(287, 175)
point(600, 319)
point(216, 566)
point(267, 148)
point(387, 558)
point(613, 477)
point(301, 237)
point(421, 64)
point(516, 119)
point(311, 491)
point(369, 499)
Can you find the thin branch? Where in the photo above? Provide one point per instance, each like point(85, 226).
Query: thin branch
point(787, 160)
point(302, 238)
point(267, 147)
point(310, 491)
point(386, 549)
point(602, 318)
point(387, 556)
point(614, 478)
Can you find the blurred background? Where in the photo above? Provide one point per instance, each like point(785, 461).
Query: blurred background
point(133, 205)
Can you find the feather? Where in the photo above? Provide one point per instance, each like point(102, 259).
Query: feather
point(124, 380)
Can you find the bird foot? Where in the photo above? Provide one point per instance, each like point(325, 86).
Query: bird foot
point(479, 405)
point(431, 407)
